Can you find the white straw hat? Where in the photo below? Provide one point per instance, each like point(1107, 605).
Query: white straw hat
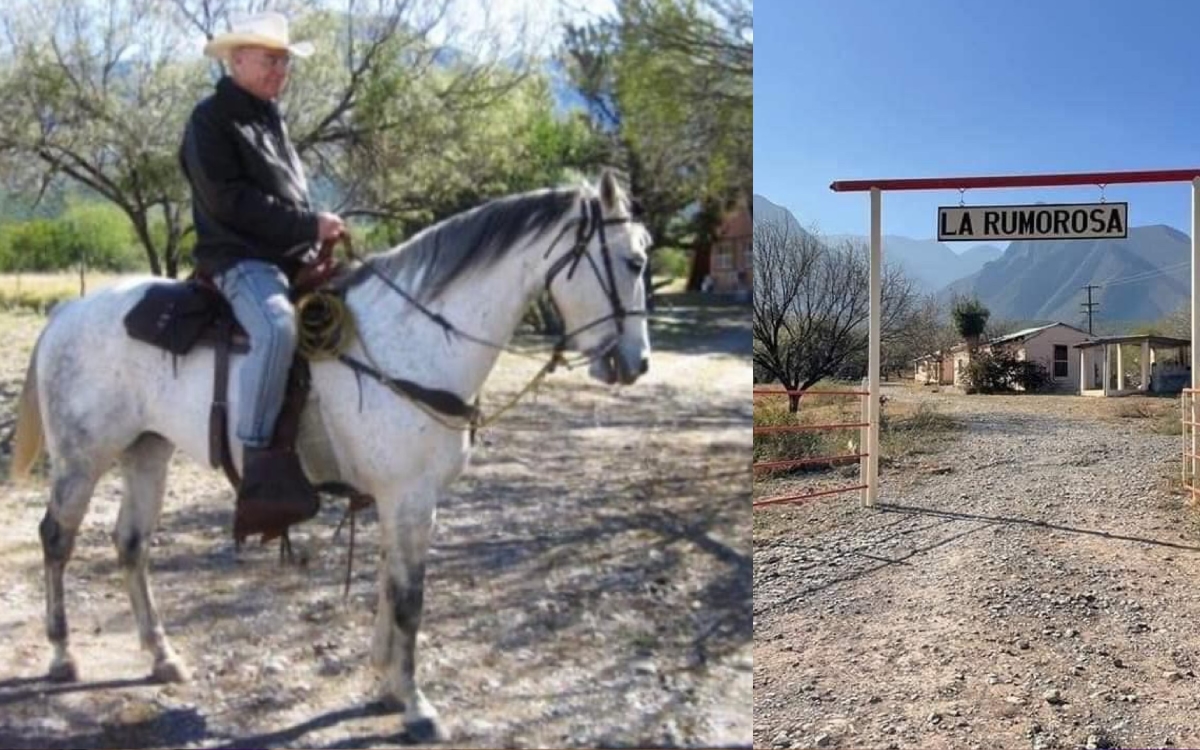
point(260, 30)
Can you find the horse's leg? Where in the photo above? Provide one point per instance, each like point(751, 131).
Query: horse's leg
point(73, 483)
point(406, 523)
point(144, 468)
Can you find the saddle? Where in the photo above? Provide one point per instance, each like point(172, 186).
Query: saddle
point(181, 316)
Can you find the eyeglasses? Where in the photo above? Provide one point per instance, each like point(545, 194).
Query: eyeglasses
point(280, 62)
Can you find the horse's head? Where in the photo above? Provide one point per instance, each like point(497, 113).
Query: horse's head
point(598, 286)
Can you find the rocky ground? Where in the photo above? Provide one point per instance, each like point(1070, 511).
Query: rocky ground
point(1033, 580)
point(589, 584)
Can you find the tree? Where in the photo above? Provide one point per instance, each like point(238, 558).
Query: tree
point(914, 338)
point(669, 82)
point(811, 305)
point(970, 320)
point(391, 125)
point(96, 94)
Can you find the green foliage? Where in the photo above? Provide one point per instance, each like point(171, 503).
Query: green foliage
point(669, 262)
point(102, 236)
point(1001, 372)
point(970, 318)
point(99, 234)
point(669, 83)
point(36, 245)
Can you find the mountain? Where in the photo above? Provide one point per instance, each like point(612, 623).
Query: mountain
point(766, 212)
point(980, 255)
point(1148, 275)
point(931, 264)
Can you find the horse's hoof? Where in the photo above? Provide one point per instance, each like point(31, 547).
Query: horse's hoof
point(425, 730)
point(170, 671)
point(63, 671)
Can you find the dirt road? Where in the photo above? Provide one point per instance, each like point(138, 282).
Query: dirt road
point(1032, 582)
point(589, 585)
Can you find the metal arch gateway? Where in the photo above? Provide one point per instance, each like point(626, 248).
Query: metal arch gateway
point(876, 189)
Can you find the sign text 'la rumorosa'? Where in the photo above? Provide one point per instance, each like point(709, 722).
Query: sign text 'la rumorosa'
point(1074, 221)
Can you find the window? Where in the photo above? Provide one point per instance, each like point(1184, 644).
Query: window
point(1060, 361)
point(722, 259)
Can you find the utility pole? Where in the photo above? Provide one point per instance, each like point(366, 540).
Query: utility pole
point(1089, 305)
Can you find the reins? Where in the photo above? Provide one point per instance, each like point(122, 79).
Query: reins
point(326, 331)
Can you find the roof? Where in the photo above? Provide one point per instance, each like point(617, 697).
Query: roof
point(1024, 333)
point(1028, 332)
point(1163, 341)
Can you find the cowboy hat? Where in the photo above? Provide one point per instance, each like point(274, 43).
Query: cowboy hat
point(260, 30)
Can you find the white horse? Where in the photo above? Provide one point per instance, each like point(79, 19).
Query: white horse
point(94, 397)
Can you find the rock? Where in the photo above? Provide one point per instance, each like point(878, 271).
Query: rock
point(1053, 697)
point(1093, 742)
point(782, 740)
point(275, 666)
point(1172, 675)
point(935, 718)
point(822, 740)
point(645, 666)
point(1118, 663)
point(1023, 645)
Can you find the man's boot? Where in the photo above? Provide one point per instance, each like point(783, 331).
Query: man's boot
point(274, 494)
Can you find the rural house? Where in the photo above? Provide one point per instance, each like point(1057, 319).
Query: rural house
point(732, 254)
point(1050, 344)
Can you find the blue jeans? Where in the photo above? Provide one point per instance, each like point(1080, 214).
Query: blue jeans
point(258, 293)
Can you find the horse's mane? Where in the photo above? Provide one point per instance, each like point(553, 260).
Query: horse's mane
point(433, 259)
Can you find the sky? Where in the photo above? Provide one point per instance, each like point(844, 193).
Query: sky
point(854, 89)
point(539, 19)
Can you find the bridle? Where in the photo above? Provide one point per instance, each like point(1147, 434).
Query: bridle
point(590, 224)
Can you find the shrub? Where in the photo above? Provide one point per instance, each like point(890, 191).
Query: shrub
point(669, 262)
point(1001, 372)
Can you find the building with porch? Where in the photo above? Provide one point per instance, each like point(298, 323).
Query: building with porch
point(1163, 365)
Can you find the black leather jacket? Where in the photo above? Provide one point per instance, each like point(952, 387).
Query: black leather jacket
point(249, 195)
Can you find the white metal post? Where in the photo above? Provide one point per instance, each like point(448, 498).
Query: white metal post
point(1190, 413)
point(873, 354)
point(1195, 277)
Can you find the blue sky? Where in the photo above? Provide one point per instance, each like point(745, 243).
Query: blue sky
point(851, 89)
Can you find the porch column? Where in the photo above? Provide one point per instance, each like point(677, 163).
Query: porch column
point(1083, 369)
point(1120, 369)
point(1107, 367)
point(1145, 360)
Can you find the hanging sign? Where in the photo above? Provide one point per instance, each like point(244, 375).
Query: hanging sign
point(1067, 221)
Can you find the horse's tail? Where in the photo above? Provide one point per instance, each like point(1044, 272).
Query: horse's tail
point(28, 440)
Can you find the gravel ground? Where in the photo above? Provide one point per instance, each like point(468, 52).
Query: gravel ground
point(589, 584)
point(1030, 583)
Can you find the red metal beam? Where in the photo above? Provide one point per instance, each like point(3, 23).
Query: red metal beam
point(801, 427)
point(1013, 181)
point(761, 392)
point(802, 498)
point(805, 461)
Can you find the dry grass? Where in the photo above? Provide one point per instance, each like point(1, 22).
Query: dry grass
point(38, 291)
point(906, 430)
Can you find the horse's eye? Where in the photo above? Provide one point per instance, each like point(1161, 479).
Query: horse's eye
point(635, 264)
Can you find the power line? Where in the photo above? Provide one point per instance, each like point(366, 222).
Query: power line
point(1147, 275)
point(1089, 306)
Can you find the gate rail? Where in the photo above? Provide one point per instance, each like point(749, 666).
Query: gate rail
point(863, 427)
point(1189, 414)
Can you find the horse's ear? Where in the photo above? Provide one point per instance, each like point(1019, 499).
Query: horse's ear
point(610, 191)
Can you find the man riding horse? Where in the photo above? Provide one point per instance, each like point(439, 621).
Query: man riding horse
point(255, 231)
